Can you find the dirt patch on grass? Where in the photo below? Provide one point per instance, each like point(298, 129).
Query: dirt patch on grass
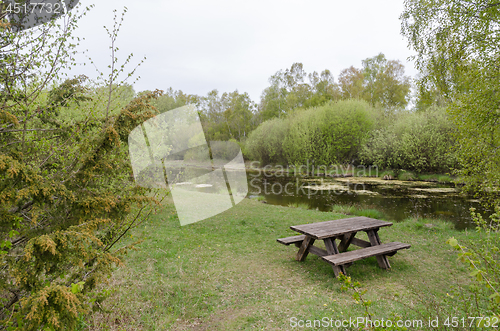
point(227, 319)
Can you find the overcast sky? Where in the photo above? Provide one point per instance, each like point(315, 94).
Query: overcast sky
point(200, 45)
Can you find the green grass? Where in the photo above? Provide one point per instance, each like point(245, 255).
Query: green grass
point(436, 178)
point(229, 273)
point(258, 198)
point(404, 175)
point(372, 213)
point(445, 179)
point(350, 209)
point(344, 209)
point(407, 175)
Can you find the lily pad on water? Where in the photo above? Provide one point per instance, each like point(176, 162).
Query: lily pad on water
point(436, 189)
point(389, 187)
point(419, 196)
point(379, 181)
point(474, 200)
point(328, 187)
point(338, 188)
point(365, 192)
point(314, 180)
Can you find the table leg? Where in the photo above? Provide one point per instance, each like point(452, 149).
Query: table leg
point(331, 248)
point(346, 241)
point(304, 248)
point(382, 260)
point(380, 242)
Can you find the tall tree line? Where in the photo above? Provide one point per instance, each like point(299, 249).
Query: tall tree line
point(233, 115)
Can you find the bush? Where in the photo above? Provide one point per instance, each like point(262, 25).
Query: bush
point(415, 141)
point(332, 133)
point(67, 194)
point(224, 150)
point(329, 134)
point(265, 143)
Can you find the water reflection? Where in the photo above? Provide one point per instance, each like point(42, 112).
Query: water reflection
point(398, 200)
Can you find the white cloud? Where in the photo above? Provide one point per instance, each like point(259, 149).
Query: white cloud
point(197, 46)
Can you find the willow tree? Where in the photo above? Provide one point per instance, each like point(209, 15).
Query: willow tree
point(66, 194)
point(294, 88)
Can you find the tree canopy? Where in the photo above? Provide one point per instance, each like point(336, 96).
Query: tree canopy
point(293, 88)
point(66, 192)
point(380, 82)
point(458, 53)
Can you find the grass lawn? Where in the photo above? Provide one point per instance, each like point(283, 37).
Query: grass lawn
point(229, 273)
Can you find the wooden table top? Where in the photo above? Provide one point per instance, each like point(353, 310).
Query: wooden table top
point(340, 227)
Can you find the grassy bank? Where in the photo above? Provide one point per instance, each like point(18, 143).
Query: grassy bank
point(350, 171)
point(229, 273)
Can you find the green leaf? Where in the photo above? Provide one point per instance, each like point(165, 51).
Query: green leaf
point(13, 233)
point(77, 288)
point(495, 297)
point(453, 242)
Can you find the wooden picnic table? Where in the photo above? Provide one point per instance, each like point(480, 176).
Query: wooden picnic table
point(345, 231)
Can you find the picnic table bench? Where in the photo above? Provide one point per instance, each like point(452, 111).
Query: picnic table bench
point(345, 230)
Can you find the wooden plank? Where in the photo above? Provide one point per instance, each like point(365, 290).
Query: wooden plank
point(374, 240)
point(341, 267)
point(346, 241)
point(318, 251)
point(349, 257)
point(331, 248)
point(337, 228)
point(304, 248)
point(291, 240)
point(360, 242)
point(366, 221)
point(386, 260)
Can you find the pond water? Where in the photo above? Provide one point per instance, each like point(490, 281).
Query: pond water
point(398, 200)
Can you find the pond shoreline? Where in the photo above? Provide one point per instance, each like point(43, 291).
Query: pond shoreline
point(396, 199)
point(386, 174)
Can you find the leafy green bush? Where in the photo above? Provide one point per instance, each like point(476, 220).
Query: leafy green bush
point(332, 133)
point(67, 195)
point(265, 143)
point(224, 150)
point(414, 141)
